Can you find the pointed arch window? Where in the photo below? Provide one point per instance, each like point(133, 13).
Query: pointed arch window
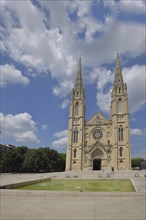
point(119, 89)
point(119, 105)
point(120, 134)
point(77, 93)
point(76, 108)
point(75, 136)
point(121, 151)
point(75, 153)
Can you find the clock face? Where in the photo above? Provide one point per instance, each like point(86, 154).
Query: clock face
point(97, 134)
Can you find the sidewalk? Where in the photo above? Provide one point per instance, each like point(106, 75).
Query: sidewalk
point(138, 182)
point(22, 205)
point(41, 205)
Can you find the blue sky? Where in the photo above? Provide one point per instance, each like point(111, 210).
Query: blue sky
point(41, 42)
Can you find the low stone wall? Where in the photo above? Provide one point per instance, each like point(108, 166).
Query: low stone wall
point(16, 185)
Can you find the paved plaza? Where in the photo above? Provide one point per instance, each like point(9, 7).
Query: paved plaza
point(24, 204)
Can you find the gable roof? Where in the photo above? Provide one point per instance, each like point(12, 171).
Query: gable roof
point(97, 119)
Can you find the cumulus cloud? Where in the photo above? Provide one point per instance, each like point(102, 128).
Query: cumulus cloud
point(135, 77)
point(103, 100)
point(46, 50)
point(134, 7)
point(65, 103)
point(85, 23)
point(11, 75)
point(46, 40)
point(136, 131)
point(61, 133)
point(63, 88)
point(126, 6)
point(19, 128)
point(62, 140)
point(102, 75)
point(104, 78)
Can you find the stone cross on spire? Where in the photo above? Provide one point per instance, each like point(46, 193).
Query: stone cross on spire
point(118, 79)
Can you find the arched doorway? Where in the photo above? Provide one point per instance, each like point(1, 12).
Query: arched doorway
point(97, 164)
point(97, 158)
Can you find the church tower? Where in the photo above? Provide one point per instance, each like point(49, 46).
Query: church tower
point(120, 121)
point(99, 143)
point(74, 155)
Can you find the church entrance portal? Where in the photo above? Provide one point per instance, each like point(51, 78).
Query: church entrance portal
point(97, 164)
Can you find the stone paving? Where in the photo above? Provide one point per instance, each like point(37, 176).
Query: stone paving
point(23, 205)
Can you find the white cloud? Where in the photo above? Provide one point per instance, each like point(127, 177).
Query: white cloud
point(103, 77)
point(85, 21)
point(46, 50)
point(50, 44)
point(126, 6)
point(134, 7)
point(118, 35)
point(11, 75)
point(136, 131)
point(19, 128)
point(62, 140)
point(63, 88)
point(65, 103)
point(135, 77)
point(61, 134)
point(44, 127)
point(103, 101)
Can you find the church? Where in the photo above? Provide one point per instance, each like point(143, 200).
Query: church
point(99, 143)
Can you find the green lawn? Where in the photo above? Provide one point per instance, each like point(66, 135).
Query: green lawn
point(84, 185)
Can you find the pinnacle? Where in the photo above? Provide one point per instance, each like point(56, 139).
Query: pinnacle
point(79, 82)
point(118, 73)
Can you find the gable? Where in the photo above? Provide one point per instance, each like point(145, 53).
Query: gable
point(97, 119)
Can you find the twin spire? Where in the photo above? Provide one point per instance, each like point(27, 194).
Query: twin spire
point(118, 79)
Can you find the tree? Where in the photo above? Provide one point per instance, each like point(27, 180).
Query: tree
point(136, 162)
point(63, 161)
point(19, 158)
point(23, 159)
point(7, 160)
point(12, 159)
point(31, 161)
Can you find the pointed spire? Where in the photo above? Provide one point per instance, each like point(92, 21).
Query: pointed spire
point(118, 79)
point(79, 82)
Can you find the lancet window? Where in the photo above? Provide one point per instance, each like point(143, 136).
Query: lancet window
point(76, 108)
point(75, 153)
point(121, 151)
point(75, 136)
point(120, 134)
point(119, 105)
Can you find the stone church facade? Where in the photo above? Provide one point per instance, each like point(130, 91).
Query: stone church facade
point(99, 143)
